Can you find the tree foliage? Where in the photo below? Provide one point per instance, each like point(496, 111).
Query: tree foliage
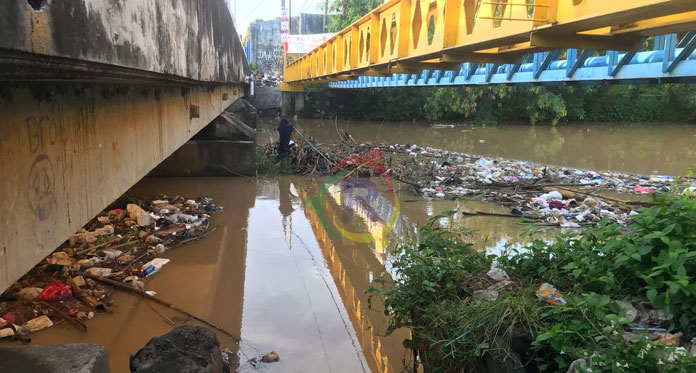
point(342, 13)
point(492, 104)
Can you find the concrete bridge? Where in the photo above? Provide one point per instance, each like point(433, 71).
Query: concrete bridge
point(94, 95)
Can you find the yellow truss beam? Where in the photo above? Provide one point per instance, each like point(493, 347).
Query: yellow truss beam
point(409, 35)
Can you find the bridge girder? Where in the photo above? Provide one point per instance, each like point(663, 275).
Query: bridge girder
point(400, 33)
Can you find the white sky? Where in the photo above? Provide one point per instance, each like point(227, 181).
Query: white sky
point(250, 10)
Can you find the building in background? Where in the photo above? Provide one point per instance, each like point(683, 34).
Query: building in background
point(265, 49)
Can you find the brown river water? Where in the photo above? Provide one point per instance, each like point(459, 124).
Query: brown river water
point(290, 259)
point(662, 148)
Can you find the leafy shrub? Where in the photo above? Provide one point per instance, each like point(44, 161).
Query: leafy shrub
point(435, 279)
point(655, 259)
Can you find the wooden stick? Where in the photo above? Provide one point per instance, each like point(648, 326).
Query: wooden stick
point(88, 300)
point(85, 251)
point(160, 301)
point(79, 325)
point(616, 200)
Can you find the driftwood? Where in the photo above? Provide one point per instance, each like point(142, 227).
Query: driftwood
point(160, 301)
point(88, 300)
point(79, 325)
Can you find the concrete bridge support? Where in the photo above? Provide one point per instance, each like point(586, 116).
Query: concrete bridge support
point(225, 147)
point(93, 96)
point(68, 151)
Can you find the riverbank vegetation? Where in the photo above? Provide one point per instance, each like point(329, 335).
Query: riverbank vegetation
point(490, 105)
point(613, 300)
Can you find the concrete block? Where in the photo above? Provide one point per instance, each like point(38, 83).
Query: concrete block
point(69, 358)
point(210, 158)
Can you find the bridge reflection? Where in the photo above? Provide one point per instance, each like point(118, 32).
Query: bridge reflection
point(353, 266)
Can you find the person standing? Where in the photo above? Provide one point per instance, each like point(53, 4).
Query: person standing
point(285, 130)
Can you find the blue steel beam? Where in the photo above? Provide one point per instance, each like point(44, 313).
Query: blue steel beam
point(688, 49)
point(670, 61)
point(491, 68)
point(471, 70)
point(550, 57)
point(579, 61)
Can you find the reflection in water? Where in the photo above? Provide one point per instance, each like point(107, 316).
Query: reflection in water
point(273, 273)
point(664, 148)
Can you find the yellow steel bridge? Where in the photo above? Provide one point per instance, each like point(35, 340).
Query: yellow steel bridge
point(407, 36)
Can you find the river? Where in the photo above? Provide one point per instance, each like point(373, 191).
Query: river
point(289, 261)
point(660, 148)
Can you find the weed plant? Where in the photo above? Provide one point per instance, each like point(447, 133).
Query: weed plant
point(652, 263)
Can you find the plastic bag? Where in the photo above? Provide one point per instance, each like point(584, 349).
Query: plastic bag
point(55, 292)
point(550, 294)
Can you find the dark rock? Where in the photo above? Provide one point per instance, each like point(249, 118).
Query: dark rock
point(503, 360)
point(73, 358)
point(189, 349)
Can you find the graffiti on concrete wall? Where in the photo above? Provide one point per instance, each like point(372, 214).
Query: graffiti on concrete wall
point(41, 186)
point(270, 59)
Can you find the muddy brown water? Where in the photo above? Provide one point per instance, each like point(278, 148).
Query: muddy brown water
point(287, 266)
point(275, 272)
point(662, 148)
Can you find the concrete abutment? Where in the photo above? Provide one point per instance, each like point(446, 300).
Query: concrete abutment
point(69, 150)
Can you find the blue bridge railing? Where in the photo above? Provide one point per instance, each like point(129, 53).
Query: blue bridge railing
point(673, 59)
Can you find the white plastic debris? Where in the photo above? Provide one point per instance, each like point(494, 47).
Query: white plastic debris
point(498, 274)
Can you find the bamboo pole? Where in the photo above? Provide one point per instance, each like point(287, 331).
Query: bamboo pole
point(160, 301)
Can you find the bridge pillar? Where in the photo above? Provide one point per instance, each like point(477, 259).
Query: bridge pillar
point(225, 147)
point(68, 150)
point(293, 102)
point(93, 96)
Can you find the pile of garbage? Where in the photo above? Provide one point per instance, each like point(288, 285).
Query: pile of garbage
point(642, 318)
point(562, 196)
point(548, 195)
point(262, 79)
point(120, 244)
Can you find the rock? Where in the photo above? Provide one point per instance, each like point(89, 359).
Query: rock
point(270, 357)
point(498, 274)
point(503, 359)
point(190, 349)
point(489, 295)
point(30, 293)
point(631, 312)
point(73, 358)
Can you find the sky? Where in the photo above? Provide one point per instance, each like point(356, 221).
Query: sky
point(248, 11)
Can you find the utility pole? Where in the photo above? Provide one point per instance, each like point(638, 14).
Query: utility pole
point(326, 12)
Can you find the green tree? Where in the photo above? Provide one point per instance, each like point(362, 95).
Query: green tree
point(344, 12)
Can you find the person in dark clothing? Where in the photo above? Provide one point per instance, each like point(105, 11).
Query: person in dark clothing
point(285, 130)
